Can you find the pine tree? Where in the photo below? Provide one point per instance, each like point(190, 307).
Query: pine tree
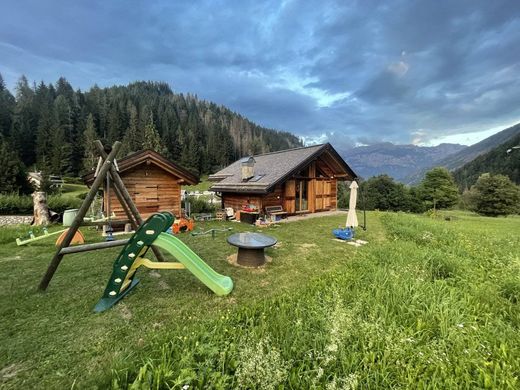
point(24, 123)
point(89, 136)
point(131, 139)
point(438, 189)
point(7, 104)
point(151, 136)
point(10, 168)
point(60, 160)
point(44, 145)
point(495, 195)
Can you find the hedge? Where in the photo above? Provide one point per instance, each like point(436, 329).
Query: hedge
point(14, 204)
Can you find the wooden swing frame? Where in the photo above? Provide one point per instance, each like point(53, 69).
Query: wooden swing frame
point(134, 217)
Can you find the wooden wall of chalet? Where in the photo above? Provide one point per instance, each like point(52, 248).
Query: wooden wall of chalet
point(321, 193)
point(152, 189)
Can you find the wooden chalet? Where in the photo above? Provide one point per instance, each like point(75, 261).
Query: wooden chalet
point(301, 180)
point(153, 181)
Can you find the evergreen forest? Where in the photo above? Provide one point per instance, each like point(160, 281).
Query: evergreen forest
point(50, 127)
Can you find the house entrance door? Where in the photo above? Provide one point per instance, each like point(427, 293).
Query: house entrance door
point(301, 195)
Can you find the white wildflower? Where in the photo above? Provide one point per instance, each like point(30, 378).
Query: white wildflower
point(261, 366)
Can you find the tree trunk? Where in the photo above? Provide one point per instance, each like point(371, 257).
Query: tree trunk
point(41, 211)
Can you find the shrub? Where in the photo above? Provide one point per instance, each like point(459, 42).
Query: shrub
point(59, 203)
point(14, 204)
point(199, 205)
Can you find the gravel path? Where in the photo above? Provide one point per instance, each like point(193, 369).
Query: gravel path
point(15, 219)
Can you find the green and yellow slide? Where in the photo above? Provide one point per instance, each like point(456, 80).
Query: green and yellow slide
point(152, 232)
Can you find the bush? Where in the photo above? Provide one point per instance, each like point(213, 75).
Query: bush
point(14, 204)
point(199, 205)
point(384, 193)
point(59, 203)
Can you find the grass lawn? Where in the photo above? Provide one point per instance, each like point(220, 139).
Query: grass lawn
point(427, 303)
point(202, 186)
point(73, 190)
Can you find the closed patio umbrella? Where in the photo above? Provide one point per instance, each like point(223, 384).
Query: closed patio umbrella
point(351, 216)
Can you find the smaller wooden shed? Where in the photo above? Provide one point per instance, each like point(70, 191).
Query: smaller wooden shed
point(153, 181)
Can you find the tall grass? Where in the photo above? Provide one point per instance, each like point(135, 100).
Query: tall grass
point(434, 307)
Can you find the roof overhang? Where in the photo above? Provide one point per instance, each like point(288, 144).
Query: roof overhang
point(150, 157)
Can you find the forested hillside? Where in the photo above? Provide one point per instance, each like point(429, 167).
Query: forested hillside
point(50, 127)
point(496, 161)
point(466, 155)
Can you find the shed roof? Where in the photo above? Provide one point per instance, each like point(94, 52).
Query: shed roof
point(276, 167)
point(150, 157)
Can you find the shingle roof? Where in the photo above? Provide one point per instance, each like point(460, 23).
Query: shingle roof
point(273, 168)
point(145, 156)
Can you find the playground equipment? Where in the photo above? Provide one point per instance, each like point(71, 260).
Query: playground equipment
point(344, 234)
point(76, 239)
point(153, 232)
point(106, 167)
point(183, 225)
point(212, 231)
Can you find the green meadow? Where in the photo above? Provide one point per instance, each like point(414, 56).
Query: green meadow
point(427, 303)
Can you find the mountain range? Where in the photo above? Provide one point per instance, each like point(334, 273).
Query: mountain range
point(398, 161)
point(409, 163)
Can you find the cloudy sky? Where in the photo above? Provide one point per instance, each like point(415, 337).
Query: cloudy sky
point(349, 72)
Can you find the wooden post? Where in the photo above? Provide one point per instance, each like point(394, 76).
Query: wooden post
point(311, 189)
point(76, 223)
point(93, 247)
point(125, 198)
point(40, 209)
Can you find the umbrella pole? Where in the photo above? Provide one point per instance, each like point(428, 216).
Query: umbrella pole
point(362, 192)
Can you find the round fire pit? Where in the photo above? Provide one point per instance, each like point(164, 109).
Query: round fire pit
point(251, 247)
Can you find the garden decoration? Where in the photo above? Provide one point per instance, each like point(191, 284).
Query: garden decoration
point(153, 232)
point(212, 231)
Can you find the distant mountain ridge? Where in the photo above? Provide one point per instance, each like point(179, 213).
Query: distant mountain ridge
point(398, 161)
point(468, 154)
point(496, 161)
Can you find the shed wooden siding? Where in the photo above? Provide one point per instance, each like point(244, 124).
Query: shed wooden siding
point(151, 188)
